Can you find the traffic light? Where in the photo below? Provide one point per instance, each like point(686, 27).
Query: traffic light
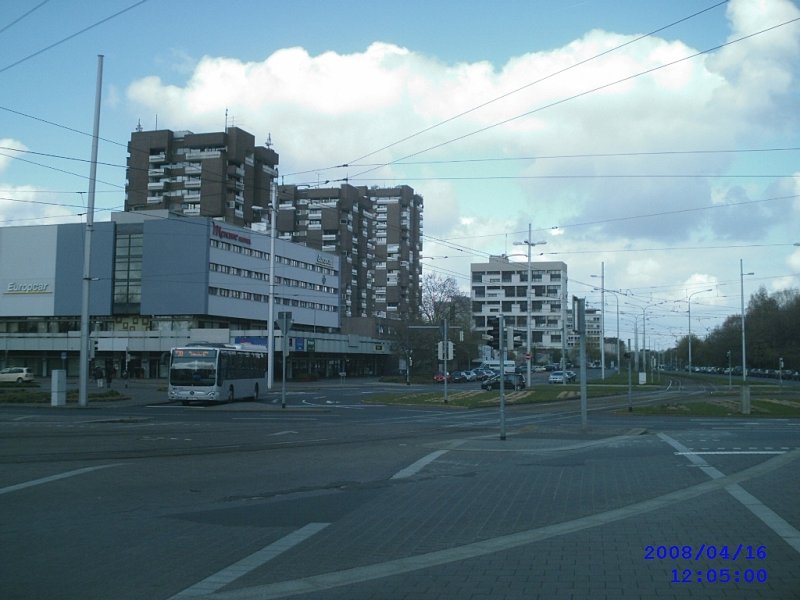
point(492, 336)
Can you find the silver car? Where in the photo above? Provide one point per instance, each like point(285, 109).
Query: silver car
point(16, 374)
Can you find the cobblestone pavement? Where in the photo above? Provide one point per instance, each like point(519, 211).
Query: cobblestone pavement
point(554, 514)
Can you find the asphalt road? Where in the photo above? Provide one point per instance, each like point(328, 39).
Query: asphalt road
point(333, 498)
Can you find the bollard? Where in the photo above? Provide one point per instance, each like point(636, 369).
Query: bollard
point(745, 399)
point(58, 388)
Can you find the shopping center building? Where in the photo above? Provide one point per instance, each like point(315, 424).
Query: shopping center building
point(160, 280)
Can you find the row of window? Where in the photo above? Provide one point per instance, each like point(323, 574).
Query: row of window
point(507, 276)
point(292, 262)
point(260, 276)
point(255, 297)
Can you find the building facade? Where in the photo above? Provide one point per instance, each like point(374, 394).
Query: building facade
point(502, 287)
point(161, 280)
point(377, 233)
point(221, 174)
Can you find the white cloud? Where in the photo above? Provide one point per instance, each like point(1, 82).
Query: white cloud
point(7, 154)
point(328, 109)
point(24, 205)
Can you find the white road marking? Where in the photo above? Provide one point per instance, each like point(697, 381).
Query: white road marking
point(769, 517)
point(317, 584)
point(218, 580)
point(51, 478)
point(417, 466)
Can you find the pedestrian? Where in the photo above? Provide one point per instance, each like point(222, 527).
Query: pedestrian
point(109, 377)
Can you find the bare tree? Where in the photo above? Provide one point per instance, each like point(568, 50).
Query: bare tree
point(437, 297)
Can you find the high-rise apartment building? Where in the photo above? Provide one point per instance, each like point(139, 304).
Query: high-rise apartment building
point(377, 232)
point(221, 174)
point(502, 287)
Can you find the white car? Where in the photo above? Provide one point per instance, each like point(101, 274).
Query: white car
point(16, 374)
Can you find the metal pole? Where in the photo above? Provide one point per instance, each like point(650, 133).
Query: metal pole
point(619, 358)
point(271, 310)
point(580, 319)
point(502, 348)
point(602, 320)
point(530, 312)
point(744, 346)
point(445, 338)
point(83, 379)
point(564, 330)
point(630, 393)
point(690, 333)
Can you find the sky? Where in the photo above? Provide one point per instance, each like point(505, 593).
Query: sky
point(655, 143)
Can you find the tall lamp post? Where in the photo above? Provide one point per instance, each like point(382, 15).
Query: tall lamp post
point(690, 323)
point(603, 320)
point(616, 297)
point(744, 346)
point(529, 243)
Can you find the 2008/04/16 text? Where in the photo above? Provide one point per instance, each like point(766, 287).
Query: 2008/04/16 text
point(704, 552)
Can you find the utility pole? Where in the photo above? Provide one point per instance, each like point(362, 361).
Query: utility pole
point(502, 348)
point(83, 378)
point(579, 315)
point(273, 199)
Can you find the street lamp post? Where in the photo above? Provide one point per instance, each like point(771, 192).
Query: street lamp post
point(603, 320)
point(744, 348)
point(690, 323)
point(529, 243)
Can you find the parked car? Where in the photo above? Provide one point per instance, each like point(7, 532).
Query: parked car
point(16, 374)
point(512, 381)
point(470, 375)
point(556, 377)
point(483, 374)
point(461, 376)
point(439, 377)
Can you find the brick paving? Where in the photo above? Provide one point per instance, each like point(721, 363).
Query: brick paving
point(476, 512)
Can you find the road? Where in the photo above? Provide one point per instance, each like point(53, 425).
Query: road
point(333, 498)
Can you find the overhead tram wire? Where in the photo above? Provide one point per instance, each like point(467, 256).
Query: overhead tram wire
point(20, 18)
point(633, 217)
point(71, 36)
point(507, 94)
point(540, 80)
point(579, 95)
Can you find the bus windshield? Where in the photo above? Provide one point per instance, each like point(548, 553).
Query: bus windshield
point(193, 367)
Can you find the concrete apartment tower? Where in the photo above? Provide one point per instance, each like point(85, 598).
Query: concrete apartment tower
point(221, 175)
point(377, 232)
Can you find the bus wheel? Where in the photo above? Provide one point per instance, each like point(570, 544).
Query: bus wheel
point(255, 394)
point(230, 394)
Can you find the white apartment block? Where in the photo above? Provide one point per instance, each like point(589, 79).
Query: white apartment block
point(502, 287)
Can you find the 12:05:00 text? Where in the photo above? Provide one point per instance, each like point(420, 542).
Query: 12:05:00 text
point(719, 576)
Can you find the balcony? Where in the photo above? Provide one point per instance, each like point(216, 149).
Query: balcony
point(156, 185)
point(157, 158)
point(191, 210)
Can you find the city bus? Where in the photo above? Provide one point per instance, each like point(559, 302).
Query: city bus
point(216, 372)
